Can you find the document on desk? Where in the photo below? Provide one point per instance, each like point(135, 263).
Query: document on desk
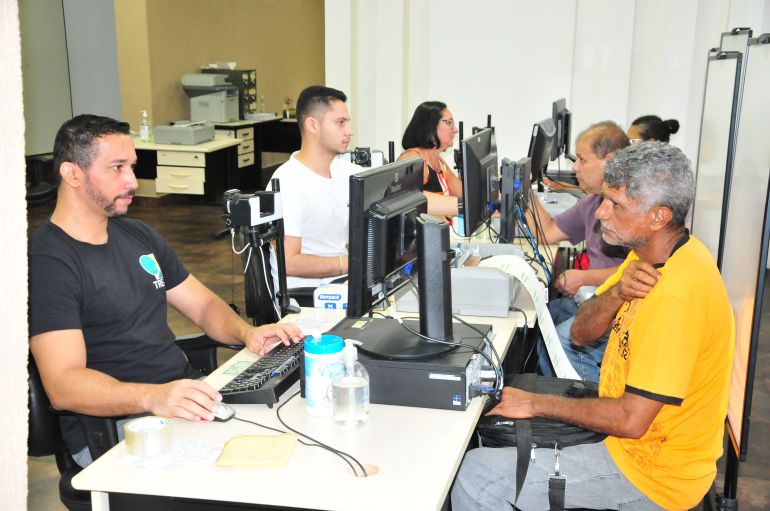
point(520, 270)
point(182, 452)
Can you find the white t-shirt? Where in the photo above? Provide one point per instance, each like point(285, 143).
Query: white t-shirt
point(315, 209)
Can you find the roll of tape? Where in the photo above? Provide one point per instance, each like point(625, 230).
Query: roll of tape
point(147, 436)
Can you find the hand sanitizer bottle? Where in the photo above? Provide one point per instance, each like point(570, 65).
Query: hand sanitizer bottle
point(350, 390)
point(145, 128)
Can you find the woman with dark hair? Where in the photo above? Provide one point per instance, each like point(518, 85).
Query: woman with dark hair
point(651, 127)
point(430, 132)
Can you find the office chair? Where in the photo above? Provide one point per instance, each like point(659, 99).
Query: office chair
point(45, 438)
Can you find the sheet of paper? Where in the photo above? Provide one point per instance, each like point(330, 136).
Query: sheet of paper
point(182, 452)
point(520, 270)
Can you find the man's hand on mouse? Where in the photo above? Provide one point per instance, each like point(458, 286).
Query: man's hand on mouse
point(189, 399)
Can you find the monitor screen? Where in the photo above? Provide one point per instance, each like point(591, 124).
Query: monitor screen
point(562, 120)
point(384, 205)
point(543, 135)
point(480, 178)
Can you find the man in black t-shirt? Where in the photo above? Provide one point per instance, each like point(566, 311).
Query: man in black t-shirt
point(99, 288)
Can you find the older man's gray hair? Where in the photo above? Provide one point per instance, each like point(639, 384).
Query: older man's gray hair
point(655, 174)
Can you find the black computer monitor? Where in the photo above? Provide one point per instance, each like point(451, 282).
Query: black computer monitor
point(384, 205)
point(543, 134)
point(514, 186)
point(480, 178)
point(562, 120)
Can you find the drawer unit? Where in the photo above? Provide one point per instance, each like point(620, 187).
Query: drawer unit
point(182, 158)
point(246, 147)
point(193, 173)
point(184, 186)
point(244, 160)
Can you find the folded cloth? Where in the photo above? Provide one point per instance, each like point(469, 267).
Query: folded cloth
point(258, 451)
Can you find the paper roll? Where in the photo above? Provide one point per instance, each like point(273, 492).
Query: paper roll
point(147, 436)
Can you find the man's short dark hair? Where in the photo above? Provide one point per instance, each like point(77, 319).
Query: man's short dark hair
point(421, 130)
point(76, 139)
point(314, 99)
point(606, 137)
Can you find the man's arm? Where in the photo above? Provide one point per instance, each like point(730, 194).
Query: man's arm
point(217, 319)
point(551, 232)
point(306, 265)
point(570, 281)
point(61, 359)
point(595, 316)
point(627, 417)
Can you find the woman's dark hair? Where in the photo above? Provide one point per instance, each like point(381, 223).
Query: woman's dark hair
point(421, 131)
point(652, 127)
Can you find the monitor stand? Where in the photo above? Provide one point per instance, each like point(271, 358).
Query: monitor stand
point(386, 338)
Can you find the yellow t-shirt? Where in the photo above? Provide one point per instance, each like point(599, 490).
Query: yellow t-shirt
point(674, 346)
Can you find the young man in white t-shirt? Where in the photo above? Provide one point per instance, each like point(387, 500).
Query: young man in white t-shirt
point(315, 186)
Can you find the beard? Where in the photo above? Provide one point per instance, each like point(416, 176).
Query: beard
point(109, 206)
point(613, 237)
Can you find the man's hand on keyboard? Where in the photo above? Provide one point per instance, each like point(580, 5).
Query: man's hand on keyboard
point(260, 338)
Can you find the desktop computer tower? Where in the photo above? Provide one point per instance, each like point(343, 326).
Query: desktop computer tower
point(440, 381)
point(246, 81)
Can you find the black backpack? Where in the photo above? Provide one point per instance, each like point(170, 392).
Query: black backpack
point(527, 434)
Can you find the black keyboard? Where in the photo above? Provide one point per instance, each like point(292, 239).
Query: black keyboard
point(264, 381)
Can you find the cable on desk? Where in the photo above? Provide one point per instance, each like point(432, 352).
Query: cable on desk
point(395, 316)
point(345, 456)
point(540, 234)
point(539, 257)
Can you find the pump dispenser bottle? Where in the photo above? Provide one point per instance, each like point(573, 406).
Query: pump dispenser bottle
point(350, 390)
point(145, 127)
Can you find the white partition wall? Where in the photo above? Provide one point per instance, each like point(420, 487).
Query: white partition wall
point(512, 58)
point(715, 154)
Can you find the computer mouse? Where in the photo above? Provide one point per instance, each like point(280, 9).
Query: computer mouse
point(223, 412)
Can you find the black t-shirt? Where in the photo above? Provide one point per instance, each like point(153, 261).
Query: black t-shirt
point(116, 294)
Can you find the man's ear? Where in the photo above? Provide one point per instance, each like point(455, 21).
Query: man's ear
point(660, 217)
point(71, 174)
point(312, 125)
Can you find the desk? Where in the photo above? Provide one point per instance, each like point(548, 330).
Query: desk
point(417, 451)
point(208, 168)
point(258, 137)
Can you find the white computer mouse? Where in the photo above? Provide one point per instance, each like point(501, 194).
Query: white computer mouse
point(223, 412)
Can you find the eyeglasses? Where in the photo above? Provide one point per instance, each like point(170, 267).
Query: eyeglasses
point(449, 122)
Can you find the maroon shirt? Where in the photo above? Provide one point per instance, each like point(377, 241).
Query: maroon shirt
point(579, 223)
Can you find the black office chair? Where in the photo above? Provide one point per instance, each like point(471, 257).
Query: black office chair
point(45, 438)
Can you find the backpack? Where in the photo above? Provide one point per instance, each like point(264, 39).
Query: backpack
point(527, 434)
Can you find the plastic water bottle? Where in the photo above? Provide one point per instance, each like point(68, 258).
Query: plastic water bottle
point(145, 128)
point(261, 109)
point(323, 363)
point(350, 390)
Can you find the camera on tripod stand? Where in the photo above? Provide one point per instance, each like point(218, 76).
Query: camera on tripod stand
point(251, 209)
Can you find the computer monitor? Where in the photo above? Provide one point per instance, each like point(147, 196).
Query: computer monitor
point(480, 178)
point(543, 134)
point(384, 205)
point(514, 186)
point(562, 120)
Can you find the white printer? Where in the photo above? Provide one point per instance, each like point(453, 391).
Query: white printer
point(211, 97)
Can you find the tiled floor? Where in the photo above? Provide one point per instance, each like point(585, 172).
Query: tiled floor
point(188, 229)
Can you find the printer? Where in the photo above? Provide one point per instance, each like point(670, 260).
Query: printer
point(184, 132)
point(476, 291)
point(211, 97)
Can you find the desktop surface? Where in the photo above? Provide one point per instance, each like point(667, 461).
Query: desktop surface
point(416, 452)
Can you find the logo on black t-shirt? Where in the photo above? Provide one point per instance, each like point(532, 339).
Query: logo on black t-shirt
point(150, 265)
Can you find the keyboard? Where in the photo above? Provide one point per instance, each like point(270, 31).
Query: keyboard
point(264, 381)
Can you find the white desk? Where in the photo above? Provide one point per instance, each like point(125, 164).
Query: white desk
point(416, 450)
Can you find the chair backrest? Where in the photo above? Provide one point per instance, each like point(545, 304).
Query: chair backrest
point(45, 437)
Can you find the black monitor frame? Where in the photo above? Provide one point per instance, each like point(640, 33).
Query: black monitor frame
point(515, 187)
point(384, 202)
point(562, 119)
point(480, 178)
point(543, 135)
